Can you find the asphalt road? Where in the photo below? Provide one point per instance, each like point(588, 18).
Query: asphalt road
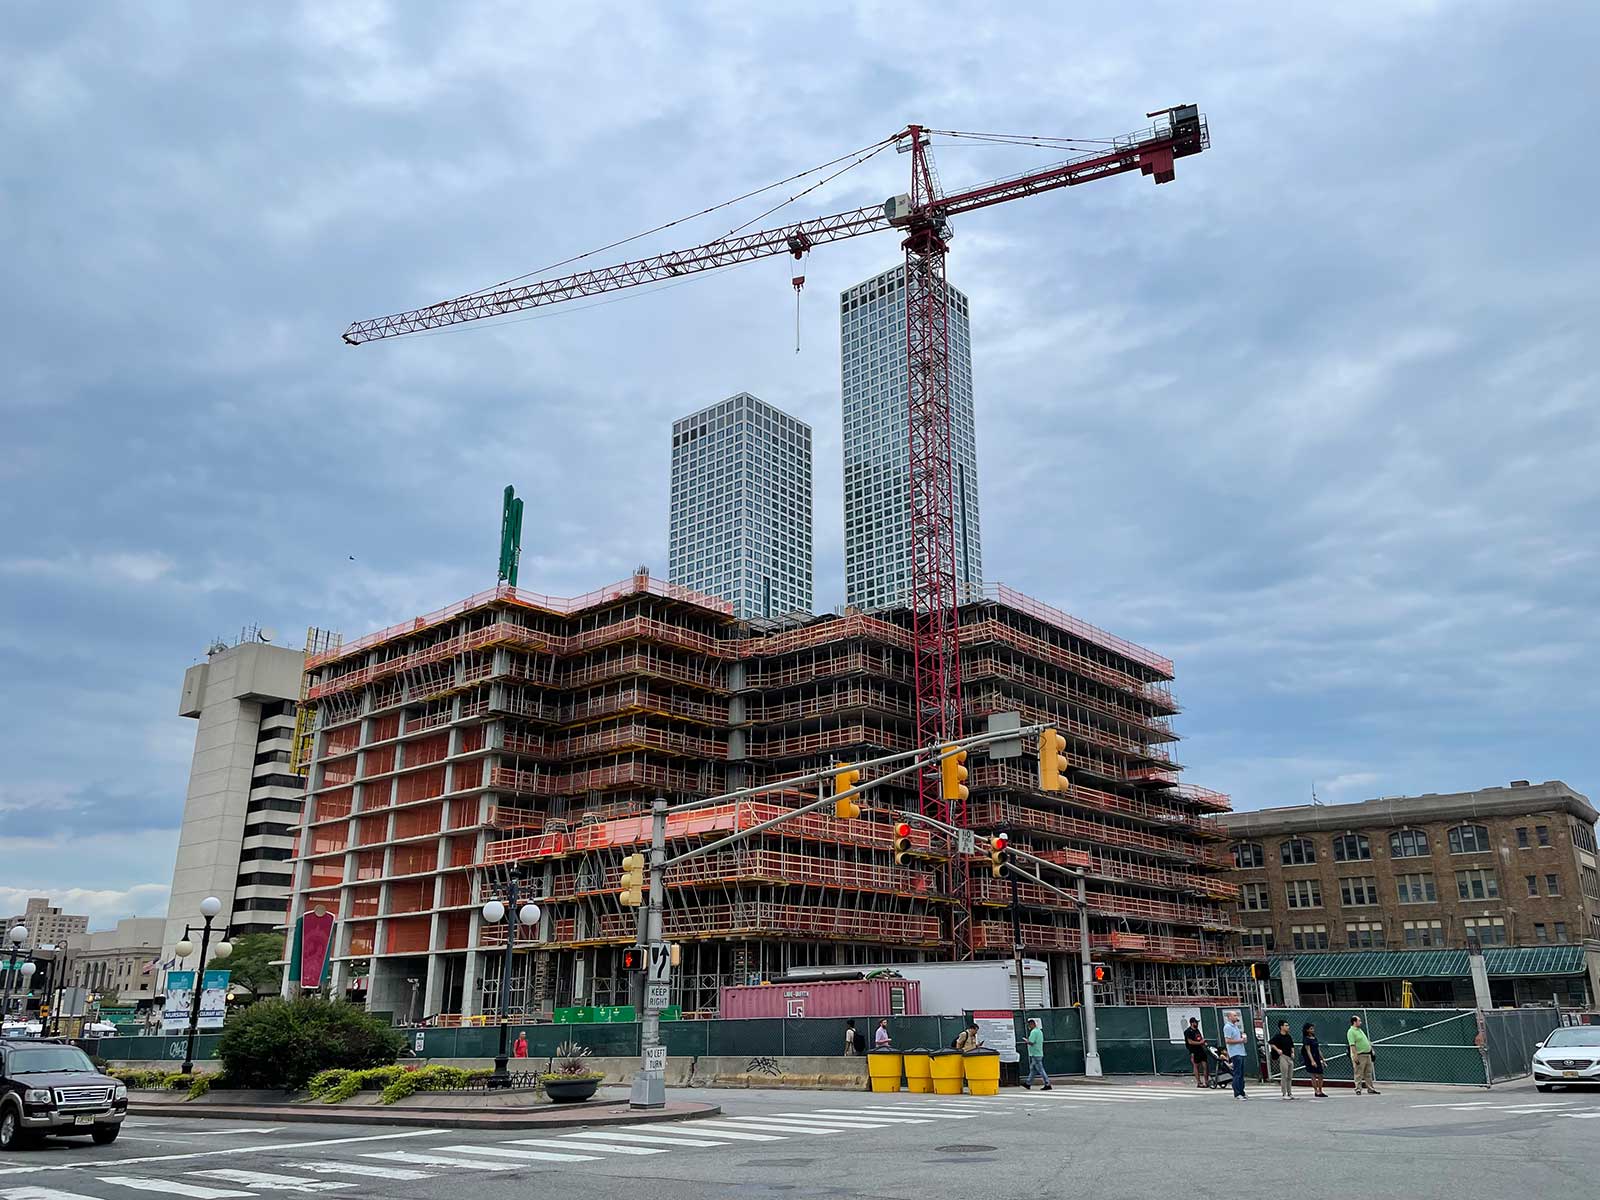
point(1128, 1139)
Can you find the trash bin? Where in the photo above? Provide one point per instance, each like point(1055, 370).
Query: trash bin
point(945, 1068)
point(919, 1071)
point(982, 1069)
point(883, 1066)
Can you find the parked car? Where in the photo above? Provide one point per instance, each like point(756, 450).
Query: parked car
point(1570, 1055)
point(53, 1088)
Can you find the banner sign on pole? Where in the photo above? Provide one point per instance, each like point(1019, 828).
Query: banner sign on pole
point(310, 959)
point(213, 999)
point(180, 995)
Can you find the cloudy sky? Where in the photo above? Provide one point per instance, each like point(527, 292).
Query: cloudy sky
point(1317, 419)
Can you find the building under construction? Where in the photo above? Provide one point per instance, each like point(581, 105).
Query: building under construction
point(519, 733)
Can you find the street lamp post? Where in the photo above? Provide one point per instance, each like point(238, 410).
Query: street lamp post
point(209, 908)
point(18, 935)
point(494, 912)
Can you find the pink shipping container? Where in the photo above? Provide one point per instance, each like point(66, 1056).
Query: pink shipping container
point(835, 998)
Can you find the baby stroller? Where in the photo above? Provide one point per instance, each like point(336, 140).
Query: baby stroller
point(1219, 1071)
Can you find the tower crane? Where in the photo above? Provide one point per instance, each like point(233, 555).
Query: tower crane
point(922, 217)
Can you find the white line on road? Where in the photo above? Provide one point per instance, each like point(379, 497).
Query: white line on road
point(838, 1122)
point(1588, 1116)
point(171, 1187)
point(39, 1193)
point(926, 1116)
point(277, 1183)
point(876, 1115)
point(769, 1125)
point(434, 1160)
point(723, 1132)
point(1459, 1104)
point(647, 1139)
point(102, 1164)
point(557, 1145)
point(364, 1169)
point(523, 1155)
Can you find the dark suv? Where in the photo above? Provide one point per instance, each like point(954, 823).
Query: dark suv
point(51, 1087)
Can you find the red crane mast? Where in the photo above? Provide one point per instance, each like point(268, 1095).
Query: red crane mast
point(923, 215)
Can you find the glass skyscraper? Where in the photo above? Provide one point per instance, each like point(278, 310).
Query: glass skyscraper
point(741, 507)
point(877, 537)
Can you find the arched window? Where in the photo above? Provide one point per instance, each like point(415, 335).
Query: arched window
point(1469, 839)
point(1408, 843)
point(1351, 847)
point(1297, 852)
point(1248, 854)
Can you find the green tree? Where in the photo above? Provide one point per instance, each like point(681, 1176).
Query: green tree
point(251, 962)
point(283, 1043)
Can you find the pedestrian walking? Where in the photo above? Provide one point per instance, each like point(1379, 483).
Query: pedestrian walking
point(1283, 1058)
point(1233, 1038)
point(1311, 1056)
point(880, 1039)
point(1361, 1056)
point(1194, 1040)
point(852, 1040)
point(1035, 1055)
point(969, 1038)
point(520, 1049)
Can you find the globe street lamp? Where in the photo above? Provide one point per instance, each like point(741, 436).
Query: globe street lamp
point(209, 908)
point(494, 912)
point(18, 935)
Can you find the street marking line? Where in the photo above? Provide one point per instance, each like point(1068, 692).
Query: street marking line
point(877, 1115)
point(646, 1138)
point(838, 1122)
point(364, 1169)
point(1459, 1104)
point(434, 1160)
point(722, 1131)
point(40, 1193)
point(1588, 1116)
point(926, 1116)
point(531, 1155)
point(553, 1143)
point(170, 1187)
point(89, 1165)
point(769, 1125)
point(278, 1183)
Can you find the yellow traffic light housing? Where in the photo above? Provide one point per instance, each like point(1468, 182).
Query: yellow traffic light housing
point(997, 855)
point(632, 893)
point(953, 775)
point(902, 843)
point(844, 806)
point(1052, 761)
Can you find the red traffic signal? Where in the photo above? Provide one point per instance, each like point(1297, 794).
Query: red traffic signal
point(902, 830)
point(902, 843)
point(1098, 971)
point(633, 959)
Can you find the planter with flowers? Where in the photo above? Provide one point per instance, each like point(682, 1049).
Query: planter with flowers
point(570, 1078)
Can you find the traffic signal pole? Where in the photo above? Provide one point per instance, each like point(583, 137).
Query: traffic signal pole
point(650, 1084)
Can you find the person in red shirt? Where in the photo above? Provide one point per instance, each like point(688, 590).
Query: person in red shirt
point(520, 1050)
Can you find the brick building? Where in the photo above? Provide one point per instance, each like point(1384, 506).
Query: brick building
point(1503, 866)
point(521, 733)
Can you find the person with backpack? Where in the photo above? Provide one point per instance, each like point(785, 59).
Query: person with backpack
point(852, 1040)
point(968, 1039)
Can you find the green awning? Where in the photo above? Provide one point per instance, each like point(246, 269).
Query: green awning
point(1435, 964)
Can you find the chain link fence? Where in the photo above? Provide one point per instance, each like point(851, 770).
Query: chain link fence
point(1512, 1035)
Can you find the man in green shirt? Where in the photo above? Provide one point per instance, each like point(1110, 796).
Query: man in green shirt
point(1035, 1055)
point(1360, 1056)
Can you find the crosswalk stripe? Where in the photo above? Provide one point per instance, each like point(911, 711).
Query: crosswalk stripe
point(507, 1152)
point(366, 1170)
point(40, 1193)
point(1588, 1116)
point(648, 1139)
point(722, 1131)
point(922, 1112)
point(277, 1183)
point(596, 1146)
point(434, 1160)
point(171, 1187)
point(841, 1122)
point(874, 1114)
point(772, 1126)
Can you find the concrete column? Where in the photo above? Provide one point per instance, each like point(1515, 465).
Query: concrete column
point(1290, 980)
point(1480, 981)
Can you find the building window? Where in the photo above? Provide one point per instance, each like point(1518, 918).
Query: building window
point(1304, 893)
point(1561, 931)
point(1247, 855)
point(1469, 839)
point(1260, 940)
point(1533, 885)
point(1253, 897)
point(1297, 852)
point(1416, 888)
point(1582, 836)
point(1424, 933)
point(1351, 847)
point(1408, 843)
point(1477, 885)
point(1522, 837)
point(1542, 832)
point(1358, 891)
point(1365, 935)
point(1540, 933)
point(1309, 937)
point(1488, 931)
point(1552, 885)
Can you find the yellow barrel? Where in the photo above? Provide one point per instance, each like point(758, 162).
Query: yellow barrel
point(883, 1066)
point(919, 1071)
point(982, 1069)
point(945, 1068)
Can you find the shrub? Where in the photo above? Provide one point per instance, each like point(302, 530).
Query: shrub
point(569, 1064)
point(332, 1087)
point(199, 1085)
point(145, 1078)
point(430, 1079)
point(284, 1043)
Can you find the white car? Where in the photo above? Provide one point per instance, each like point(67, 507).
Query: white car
point(1570, 1055)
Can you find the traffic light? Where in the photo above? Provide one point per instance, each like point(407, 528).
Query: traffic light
point(1052, 761)
point(845, 807)
point(1257, 971)
point(902, 843)
point(953, 774)
point(634, 958)
point(997, 855)
point(632, 894)
point(675, 955)
point(1097, 972)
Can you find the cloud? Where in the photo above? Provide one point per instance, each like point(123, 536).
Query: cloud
point(104, 906)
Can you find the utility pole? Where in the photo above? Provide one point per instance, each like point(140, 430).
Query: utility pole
point(1016, 942)
point(650, 1084)
point(1091, 1043)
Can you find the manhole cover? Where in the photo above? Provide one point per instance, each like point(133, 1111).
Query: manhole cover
point(964, 1148)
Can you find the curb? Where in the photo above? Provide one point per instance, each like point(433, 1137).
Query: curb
point(431, 1118)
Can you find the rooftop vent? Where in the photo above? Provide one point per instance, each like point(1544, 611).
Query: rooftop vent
point(1519, 783)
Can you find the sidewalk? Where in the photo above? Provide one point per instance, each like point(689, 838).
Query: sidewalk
point(597, 1113)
